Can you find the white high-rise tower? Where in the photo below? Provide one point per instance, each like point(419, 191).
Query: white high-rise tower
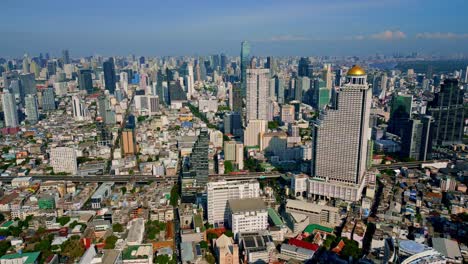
point(9, 108)
point(341, 137)
point(258, 93)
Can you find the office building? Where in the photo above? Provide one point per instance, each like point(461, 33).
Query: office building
point(321, 94)
point(236, 98)
point(303, 67)
point(279, 89)
point(28, 82)
point(449, 112)
point(220, 192)
point(400, 113)
point(129, 146)
point(233, 124)
point(328, 76)
point(253, 131)
point(229, 150)
point(63, 159)
point(416, 140)
point(48, 99)
point(66, 57)
point(245, 59)
point(239, 161)
point(317, 214)
point(32, 112)
point(340, 140)
point(109, 75)
point(80, 111)
point(10, 109)
point(85, 81)
point(247, 215)
point(257, 94)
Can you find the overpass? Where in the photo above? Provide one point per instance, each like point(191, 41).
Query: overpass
point(409, 165)
point(141, 178)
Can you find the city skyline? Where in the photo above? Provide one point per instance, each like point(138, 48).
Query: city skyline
point(283, 29)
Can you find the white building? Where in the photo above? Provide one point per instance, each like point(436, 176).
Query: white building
point(247, 215)
point(220, 192)
point(317, 214)
point(299, 184)
point(80, 111)
point(9, 108)
point(63, 159)
point(253, 131)
point(258, 93)
point(341, 135)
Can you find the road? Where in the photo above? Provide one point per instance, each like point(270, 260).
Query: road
point(409, 165)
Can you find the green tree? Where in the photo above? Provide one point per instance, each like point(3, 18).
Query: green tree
point(63, 220)
point(117, 227)
point(229, 233)
point(203, 244)
point(4, 246)
point(210, 236)
point(228, 167)
point(73, 248)
point(210, 258)
point(123, 190)
point(174, 201)
point(110, 242)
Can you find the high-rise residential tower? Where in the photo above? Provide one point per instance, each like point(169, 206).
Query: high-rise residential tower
point(340, 138)
point(258, 81)
point(10, 110)
point(32, 112)
point(109, 75)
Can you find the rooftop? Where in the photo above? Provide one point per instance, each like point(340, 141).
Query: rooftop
point(250, 204)
point(28, 258)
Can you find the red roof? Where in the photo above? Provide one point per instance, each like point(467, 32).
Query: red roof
point(303, 244)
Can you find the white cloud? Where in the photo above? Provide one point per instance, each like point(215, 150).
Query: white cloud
point(441, 35)
point(389, 35)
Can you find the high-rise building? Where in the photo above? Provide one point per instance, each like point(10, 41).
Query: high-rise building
point(287, 113)
point(239, 161)
point(199, 158)
point(10, 109)
point(124, 81)
point(80, 111)
point(449, 112)
point(25, 64)
point(416, 140)
point(236, 98)
point(129, 146)
point(302, 86)
point(245, 59)
point(220, 192)
point(279, 89)
point(257, 93)
point(28, 82)
point(253, 131)
point(233, 124)
point(63, 159)
point(85, 80)
point(104, 109)
point(109, 75)
point(340, 138)
point(400, 113)
point(328, 76)
point(247, 215)
point(303, 67)
point(66, 57)
point(338, 75)
point(32, 112)
point(229, 150)
point(48, 99)
point(321, 94)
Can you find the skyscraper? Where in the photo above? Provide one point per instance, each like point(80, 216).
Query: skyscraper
point(303, 67)
point(400, 113)
point(48, 99)
point(416, 140)
point(252, 132)
point(109, 75)
point(236, 98)
point(199, 158)
point(32, 112)
point(257, 93)
point(85, 81)
point(340, 138)
point(10, 110)
point(449, 113)
point(328, 76)
point(28, 81)
point(245, 60)
point(66, 57)
point(233, 124)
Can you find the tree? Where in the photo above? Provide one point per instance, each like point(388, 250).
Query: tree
point(117, 227)
point(2, 217)
point(123, 190)
point(4, 246)
point(229, 233)
point(174, 201)
point(210, 258)
point(203, 244)
point(210, 236)
point(273, 124)
point(73, 248)
point(63, 220)
point(110, 242)
point(228, 167)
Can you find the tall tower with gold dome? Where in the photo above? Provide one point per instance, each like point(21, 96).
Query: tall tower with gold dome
point(340, 137)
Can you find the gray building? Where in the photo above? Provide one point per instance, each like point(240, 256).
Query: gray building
point(32, 112)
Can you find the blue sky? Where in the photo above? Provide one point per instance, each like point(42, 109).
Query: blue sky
point(275, 27)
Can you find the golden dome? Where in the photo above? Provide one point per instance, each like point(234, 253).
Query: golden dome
point(356, 71)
